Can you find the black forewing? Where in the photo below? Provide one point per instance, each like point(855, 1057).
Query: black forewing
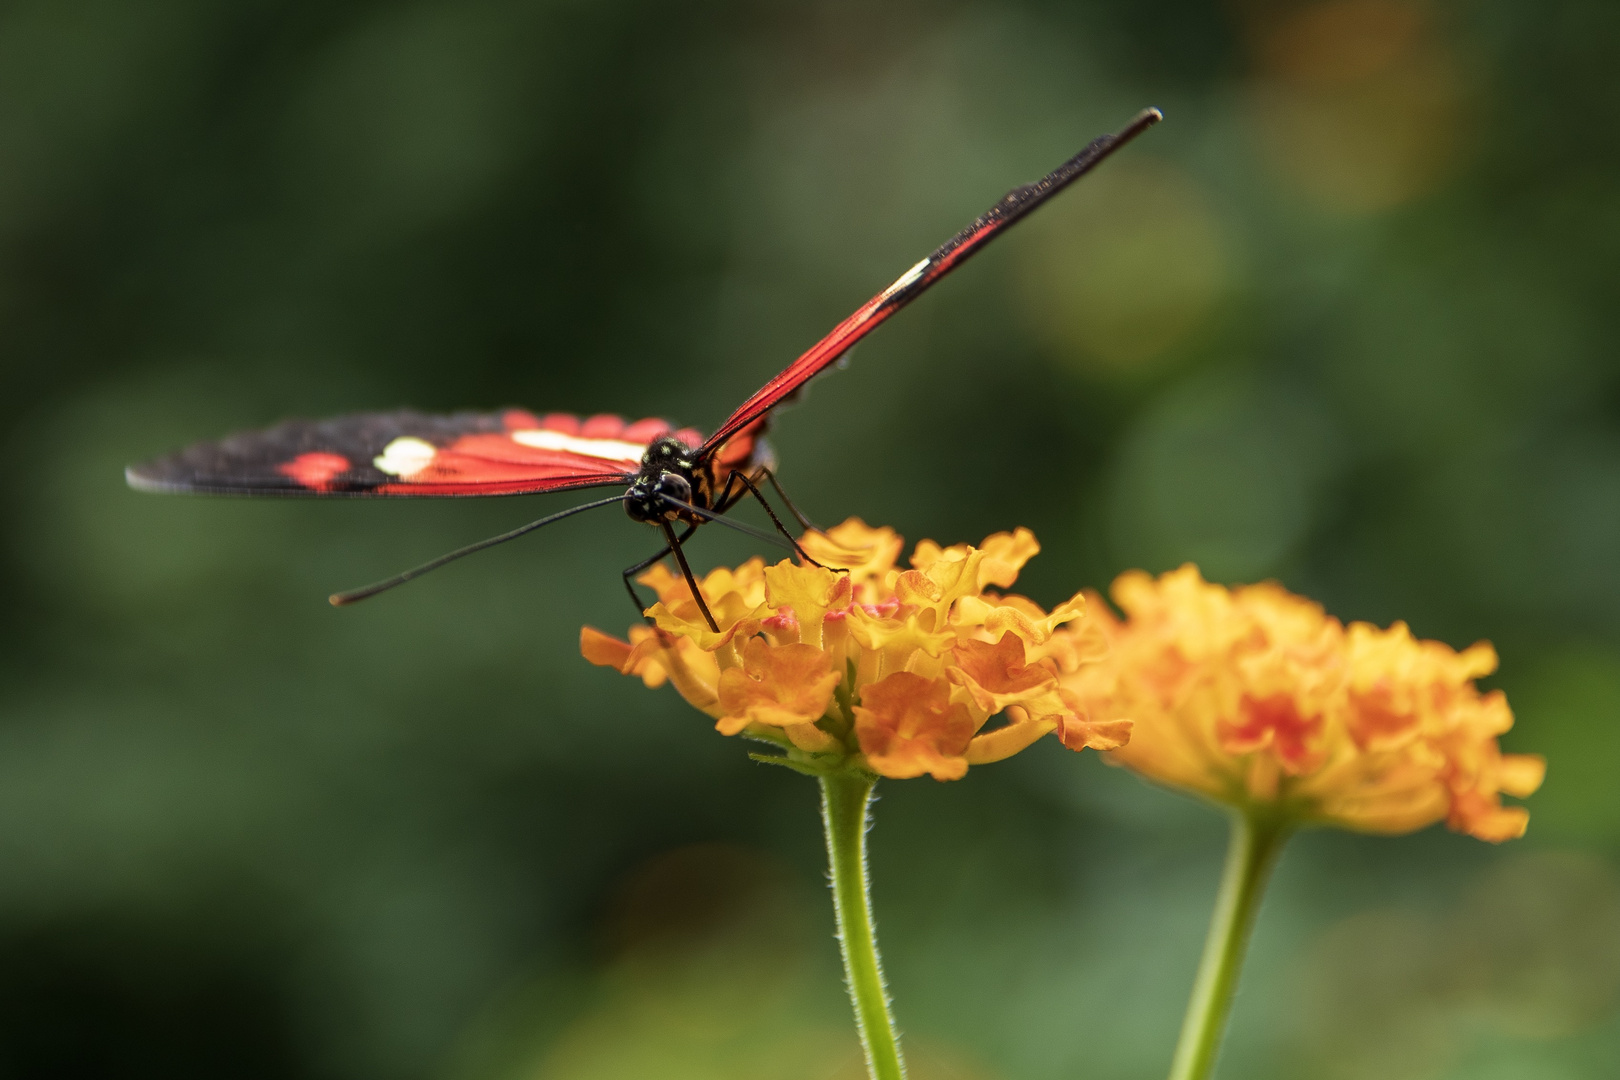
point(257, 462)
point(1010, 209)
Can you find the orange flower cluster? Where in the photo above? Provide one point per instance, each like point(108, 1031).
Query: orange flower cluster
point(895, 671)
point(1256, 696)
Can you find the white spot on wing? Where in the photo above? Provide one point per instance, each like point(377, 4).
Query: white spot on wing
point(907, 278)
point(603, 449)
point(405, 456)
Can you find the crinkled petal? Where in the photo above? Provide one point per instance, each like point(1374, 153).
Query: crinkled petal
point(898, 639)
point(1485, 819)
point(670, 587)
point(1077, 644)
point(1076, 728)
point(866, 555)
point(1521, 774)
point(605, 650)
point(809, 592)
point(996, 676)
point(927, 553)
point(777, 685)
point(1016, 615)
point(1078, 733)
point(655, 657)
point(939, 578)
point(732, 614)
point(951, 578)
point(908, 725)
point(747, 580)
point(1004, 556)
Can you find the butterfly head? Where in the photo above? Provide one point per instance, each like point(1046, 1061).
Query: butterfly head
point(671, 473)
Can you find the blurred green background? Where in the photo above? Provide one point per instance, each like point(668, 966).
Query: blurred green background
point(1346, 319)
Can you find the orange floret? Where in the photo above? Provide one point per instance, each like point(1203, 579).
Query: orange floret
point(1254, 696)
point(870, 666)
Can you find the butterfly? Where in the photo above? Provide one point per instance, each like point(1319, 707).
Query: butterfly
point(667, 477)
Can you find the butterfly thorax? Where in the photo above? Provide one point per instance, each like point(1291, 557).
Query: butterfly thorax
point(670, 470)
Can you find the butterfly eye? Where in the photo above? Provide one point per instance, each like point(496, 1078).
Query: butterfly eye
point(675, 486)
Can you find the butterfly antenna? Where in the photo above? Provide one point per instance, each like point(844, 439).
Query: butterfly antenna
point(355, 595)
point(785, 540)
point(721, 519)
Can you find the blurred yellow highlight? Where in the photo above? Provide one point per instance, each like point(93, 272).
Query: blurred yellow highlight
point(1126, 268)
point(1356, 103)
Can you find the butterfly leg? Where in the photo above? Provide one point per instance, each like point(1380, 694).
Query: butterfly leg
point(728, 498)
point(631, 572)
point(686, 571)
point(629, 584)
point(749, 484)
point(804, 522)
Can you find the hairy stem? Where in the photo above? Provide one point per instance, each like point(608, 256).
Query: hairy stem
point(844, 802)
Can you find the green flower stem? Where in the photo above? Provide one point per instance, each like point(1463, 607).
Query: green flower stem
point(1256, 842)
point(844, 801)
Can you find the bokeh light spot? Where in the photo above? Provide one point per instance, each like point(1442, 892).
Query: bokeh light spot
point(1357, 104)
point(1125, 267)
point(1341, 41)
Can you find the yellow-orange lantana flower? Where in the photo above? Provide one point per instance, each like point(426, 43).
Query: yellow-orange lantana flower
point(895, 671)
point(1256, 696)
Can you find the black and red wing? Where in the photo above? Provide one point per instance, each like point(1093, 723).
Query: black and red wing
point(410, 454)
point(514, 452)
point(1013, 206)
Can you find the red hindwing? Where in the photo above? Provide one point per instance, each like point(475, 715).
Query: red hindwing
point(511, 452)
